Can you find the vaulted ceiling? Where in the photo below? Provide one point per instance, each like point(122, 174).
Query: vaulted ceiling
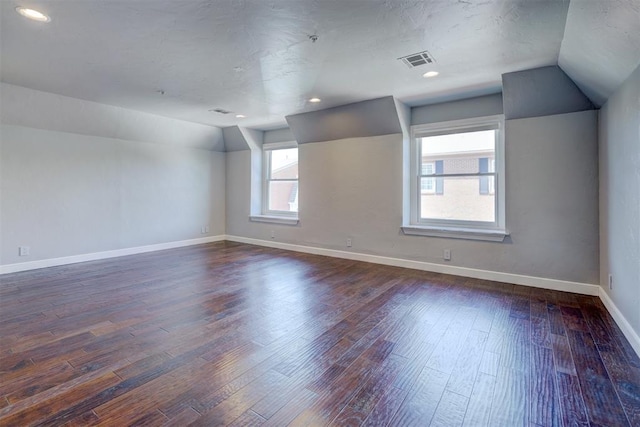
point(183, 58)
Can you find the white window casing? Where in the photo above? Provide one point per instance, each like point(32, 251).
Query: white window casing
point(287, 217)
point(456, 228)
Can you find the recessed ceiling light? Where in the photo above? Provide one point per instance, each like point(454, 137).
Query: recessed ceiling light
point(240, 116)
point(32, 14)
point(430, 74)
point(315, 100)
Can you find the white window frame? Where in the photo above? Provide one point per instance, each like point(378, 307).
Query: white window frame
point(492, 182)
point(267, 149)
point(476, 230)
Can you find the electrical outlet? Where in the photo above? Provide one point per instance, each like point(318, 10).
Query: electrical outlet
point(206, 228)
point(446, 254)
point(202, 230)
point(349, 242)
point(273, 234)
point(611, 282)
point(24, 251)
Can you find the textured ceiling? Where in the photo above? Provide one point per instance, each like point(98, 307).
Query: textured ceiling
point(255, 57)
point(601, 45)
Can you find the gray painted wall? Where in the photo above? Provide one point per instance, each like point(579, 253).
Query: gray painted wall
point(366, 118)
point(66, 194)
point(541, 92)
point(233, 139)
point(404, 117)
point(278, 135)
point(352, 188)
point(620, 198)
point(488, 105)
point(79, 177)
point(552, 197)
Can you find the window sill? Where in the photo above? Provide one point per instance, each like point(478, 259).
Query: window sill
point(285, 220)
point(456, 233)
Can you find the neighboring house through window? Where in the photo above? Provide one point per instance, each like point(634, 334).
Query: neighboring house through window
point(487, 165)
point(428, 184)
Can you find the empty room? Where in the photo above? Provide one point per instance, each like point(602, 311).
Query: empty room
point(320, 212)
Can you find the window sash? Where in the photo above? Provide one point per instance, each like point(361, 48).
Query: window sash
point(458, 126)
point(268, 149)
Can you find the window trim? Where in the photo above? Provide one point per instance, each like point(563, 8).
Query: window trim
point(275, 219)
point(492, 183)
point(477, 230)
point(274, 215)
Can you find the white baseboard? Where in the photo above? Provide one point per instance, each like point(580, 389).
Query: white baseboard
point(517, 279)
point(52, 262)
point(622, 322)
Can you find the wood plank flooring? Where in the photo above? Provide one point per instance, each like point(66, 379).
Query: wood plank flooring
point(240, 335)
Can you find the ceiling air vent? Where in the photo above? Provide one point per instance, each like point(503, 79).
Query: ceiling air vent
point(220, 111)
point(417, 59)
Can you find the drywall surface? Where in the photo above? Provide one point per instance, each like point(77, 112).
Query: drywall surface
point(42, 110)
point(352, 188)
point(541, 92)
point(360, 119)
point(255, 57)
point(238, 195)
point(278, 135)
point(619, 138)
point(552, 197)
point(233, 139)
point(66, 194)
point(601, 45)
point(479, 106)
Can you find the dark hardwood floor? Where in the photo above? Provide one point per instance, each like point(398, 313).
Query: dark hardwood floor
point(232, 334)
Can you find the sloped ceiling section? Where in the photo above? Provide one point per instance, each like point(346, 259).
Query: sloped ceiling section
point(601, 45)
point(253, 137)
point(255, 58)
point(237, 138)
point(360, 119)
point(233, 139)
point(20, 106)
point(183, 59)
point(539, 92)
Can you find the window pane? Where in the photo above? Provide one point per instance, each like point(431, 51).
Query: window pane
point(458, 198)
point(284, 164)
point(428, 185)
point(458, 152)
point(428, 168)
point(283, 196)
